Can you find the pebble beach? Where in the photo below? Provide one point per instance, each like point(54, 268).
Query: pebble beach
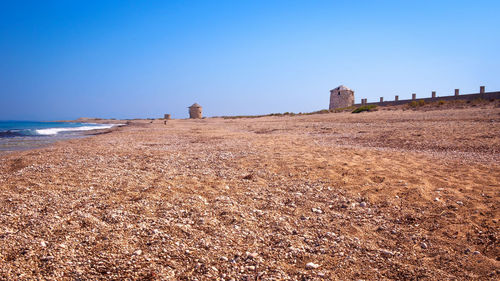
point(385, 195)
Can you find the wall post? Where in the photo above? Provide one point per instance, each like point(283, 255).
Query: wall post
point(413, 96)
point(396, 98)
point(457, 92)
point(381, 99)
point(433, 94)
point(482, 90)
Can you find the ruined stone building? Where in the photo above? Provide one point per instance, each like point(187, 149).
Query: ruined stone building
point(195, 111)
point(341, 97)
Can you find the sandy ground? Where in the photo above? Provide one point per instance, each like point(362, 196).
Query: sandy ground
point(371, 196)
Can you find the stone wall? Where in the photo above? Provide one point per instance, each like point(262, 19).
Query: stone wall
point(397, 101)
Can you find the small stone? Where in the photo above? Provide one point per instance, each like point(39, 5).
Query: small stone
point(436, 199)
point(317, 210)
point(423, 245)
point(362, 204)
point(386, 252)
point(460, 203)
point(43, 244)
point(475, 253)
point(259, 212)
point(311, 265)
point(47, 258)
point(252, 255)
point(467, 251)
point(251, 267)
point(224, 258)
point(138, 252)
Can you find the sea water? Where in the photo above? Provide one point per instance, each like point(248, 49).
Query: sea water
point(18, 135)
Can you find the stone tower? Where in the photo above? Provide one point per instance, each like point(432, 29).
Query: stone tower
point(341, 97)
point(195, 111)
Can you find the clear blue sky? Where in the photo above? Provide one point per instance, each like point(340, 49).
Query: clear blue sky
point(126, 59)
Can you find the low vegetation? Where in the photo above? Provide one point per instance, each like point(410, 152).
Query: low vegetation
point(342, 109)
point(370, 107)
point(415, 104)
point(323, 111)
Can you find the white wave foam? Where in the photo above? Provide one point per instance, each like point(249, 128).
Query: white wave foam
point(55, 131)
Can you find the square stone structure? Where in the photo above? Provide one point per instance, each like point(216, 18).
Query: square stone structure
point(195, 111)
point(341, 97)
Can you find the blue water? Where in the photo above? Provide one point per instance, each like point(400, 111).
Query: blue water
point(33, 128)
point(18, 135)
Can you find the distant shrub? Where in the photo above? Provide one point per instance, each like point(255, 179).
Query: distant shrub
point(441, 102)
point(349, 108)
point(479, 100)
point(416, 103)
point(370, 107)
point(323, 111)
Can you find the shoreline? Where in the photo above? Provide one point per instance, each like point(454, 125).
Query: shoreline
point(22, 143)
